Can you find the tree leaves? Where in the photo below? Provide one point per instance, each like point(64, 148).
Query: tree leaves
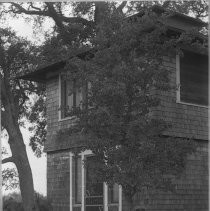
point(19, 57)
point(125, 137)
point(10, 178)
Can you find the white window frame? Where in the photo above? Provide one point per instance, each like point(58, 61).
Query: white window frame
point(60, 119)
point(105, 200)
point(178, 86)
point(59, 104)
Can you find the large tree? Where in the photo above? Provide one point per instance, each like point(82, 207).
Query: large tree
point(126, 73)
point(77, 21)
point(75, 26)
point(17, 57)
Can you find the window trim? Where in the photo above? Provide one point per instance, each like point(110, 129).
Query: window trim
point(59, 104)
point(105, 197)
point(178, 85)
point(60, 119)
point(59, 96)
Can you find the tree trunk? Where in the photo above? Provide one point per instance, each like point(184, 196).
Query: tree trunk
point(10, 122)
point(100, 11)
point(21, 161)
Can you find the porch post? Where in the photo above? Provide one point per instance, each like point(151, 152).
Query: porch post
point(120, 198)
point(70, 182)
point(83, 182)
point(105, 197)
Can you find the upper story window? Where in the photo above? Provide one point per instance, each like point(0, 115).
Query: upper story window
point(192, 78)
point(72, 95)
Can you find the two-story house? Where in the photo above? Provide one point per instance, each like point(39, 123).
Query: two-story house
point(186, 108)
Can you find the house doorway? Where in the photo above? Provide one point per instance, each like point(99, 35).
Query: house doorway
point(87, 193)
point(93, 191)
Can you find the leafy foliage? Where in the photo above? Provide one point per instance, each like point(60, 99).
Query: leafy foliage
point(12, 202)
point(21, 57)
point(9, 175)
point(125, 74)
point(37, 116)
point(18, 57)
point(10, 178)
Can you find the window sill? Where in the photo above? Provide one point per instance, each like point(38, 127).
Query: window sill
point(67, 118)
point(77, 205)
point(113, 204)
point(192, 104)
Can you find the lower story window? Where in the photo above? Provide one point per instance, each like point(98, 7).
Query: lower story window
point(87, 194)
point(77, 180)
point(113, 194)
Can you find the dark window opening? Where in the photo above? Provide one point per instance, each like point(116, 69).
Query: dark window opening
point(113, 194)
point(94, 189)
point(194, 78)
point(77, 173)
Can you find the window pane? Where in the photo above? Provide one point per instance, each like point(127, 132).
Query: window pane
point(94, 188)
point(78, 97)
point(63, 97)
point(72, 95)
point(69, 94)
point(77, 173)
point(113, 194)
point(194, 78)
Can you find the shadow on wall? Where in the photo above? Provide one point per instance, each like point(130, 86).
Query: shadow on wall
point(13, 202)
point(139, 209)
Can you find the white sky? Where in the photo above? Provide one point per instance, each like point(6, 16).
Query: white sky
point(25, 29)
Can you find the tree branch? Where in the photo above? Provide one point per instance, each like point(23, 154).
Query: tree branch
point(3, 122)
point(21, 9)
point(166, 4)
point(122, 5)
point(24, 97)
point(4, 96)
point(54, 15)
point(76, 20)
point(51, 12)
point(32, 6)
point(7, 160)
point(8, 99)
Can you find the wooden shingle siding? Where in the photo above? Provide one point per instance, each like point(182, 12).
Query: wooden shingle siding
point(191, 192)
point(53, 123)
point(187, 120)
point(58, 185)
point(194, 78)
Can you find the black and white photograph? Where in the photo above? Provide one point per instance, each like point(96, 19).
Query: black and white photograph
point(104, 105)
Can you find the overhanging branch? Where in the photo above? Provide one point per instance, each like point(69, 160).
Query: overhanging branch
point(20, 9)
point(8, 160)
point(33, 7)
point(38, 11)
point(122, 5)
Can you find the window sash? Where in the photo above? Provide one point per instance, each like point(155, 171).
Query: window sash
point(192, 79)
point(77, 180)
point(113, 194)
point(71, 96)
